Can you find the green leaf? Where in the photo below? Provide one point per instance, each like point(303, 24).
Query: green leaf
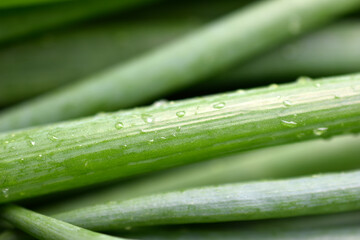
point(47, 228)
point(305, 158)
point(205, 53)
point(320, 194)
point(110, 146)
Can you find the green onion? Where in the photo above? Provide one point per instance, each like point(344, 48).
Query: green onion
point(110, 146)
point(319, 54)
point(329, 227)
point(206, 52)
point(24, 3)
point(321, 194)
point(310, 157)
point(46, 228)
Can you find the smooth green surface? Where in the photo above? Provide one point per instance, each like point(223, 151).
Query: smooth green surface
point(344, 226)
point(207, 52)
point(47, 228)
point(328, 193)
point(24, 3)
point(17, 23)
point(310, 157)
point(110, 146)
point(60, 57)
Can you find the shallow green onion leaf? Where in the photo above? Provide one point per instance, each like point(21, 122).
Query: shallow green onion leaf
point(329, 226)
point(47, 228)
point(328, 193)
point(78, 153)
point(56, 58)
point(205, 53)
point(298, 159)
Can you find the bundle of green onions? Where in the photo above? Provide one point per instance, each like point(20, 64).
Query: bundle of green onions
point(90, 148)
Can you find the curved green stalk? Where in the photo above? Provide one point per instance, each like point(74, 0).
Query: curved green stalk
point(21, 22)
point(321, 194)
point(79, 52)
point(47, 228)
point(329, 227)
point(206, 52)
point(339, 154)
point(110, 146)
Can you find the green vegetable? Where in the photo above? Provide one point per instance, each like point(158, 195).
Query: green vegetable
point(315, 55)
point(110, 146)
point(22, 22)
point(46, 228)
point(321, 194)
point(206, 52)
point(329, 227)
point(57, 58)
point(310, 157)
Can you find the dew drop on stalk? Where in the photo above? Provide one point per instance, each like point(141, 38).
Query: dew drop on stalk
point(219, 105)
point(32, 143)
point(160, 103)
point(303, 80)
point(151, 141)
point(320, 131)
point(290, 124)
point(287, 103)
point(273, 86)
point(180, 113)
point(147, 118)
point(119, 125)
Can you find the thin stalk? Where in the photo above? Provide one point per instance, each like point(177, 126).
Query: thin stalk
point(319, 54)
point(57, 58)
point(109, 146)
point(47, 228)
point(330, 193)
point(330, 227)
point(205, 53)
point(339, 154)
point(17, 23)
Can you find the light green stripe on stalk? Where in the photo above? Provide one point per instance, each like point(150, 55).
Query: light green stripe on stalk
point(47, 228)
point(206, 52)
point(310, 157)
point(322, 194)
point(110, 146)
point(330, 227)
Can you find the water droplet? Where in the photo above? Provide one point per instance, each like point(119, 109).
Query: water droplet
point(40, 155)
point(273, 86)
point(287, 103)
point(320, 131)
point(6, 142)
point(5, 192)
point(180, 114)
point(303, 79)
point(151, 141)
point(147, 118)
point(32, 143)
point(53, 138)
point(240, 91)
point(290, 124)
point(124, 146)
point(219, 105)
point(119, 125)
point(160, 103)
point(163, 138)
